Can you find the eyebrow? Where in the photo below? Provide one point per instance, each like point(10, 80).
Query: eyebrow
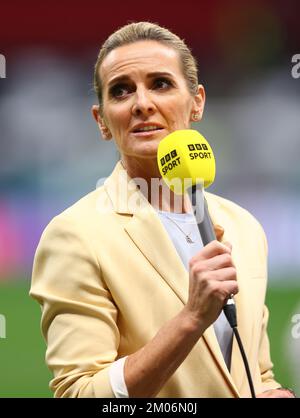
point(126, 77)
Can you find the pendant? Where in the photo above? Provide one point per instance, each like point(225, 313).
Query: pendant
point(189, 240)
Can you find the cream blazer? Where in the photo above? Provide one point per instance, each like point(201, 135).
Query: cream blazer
point(108, 277)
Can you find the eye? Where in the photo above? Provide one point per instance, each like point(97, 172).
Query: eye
point(162, 83)
point(119, 91)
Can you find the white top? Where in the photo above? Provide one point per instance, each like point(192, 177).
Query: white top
point(178, 225)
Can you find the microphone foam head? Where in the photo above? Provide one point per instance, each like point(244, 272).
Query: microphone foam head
point(185, 159)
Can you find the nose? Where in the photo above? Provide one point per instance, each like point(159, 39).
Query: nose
point(143, 103)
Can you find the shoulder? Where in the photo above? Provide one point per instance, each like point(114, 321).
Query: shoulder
point(82, 217)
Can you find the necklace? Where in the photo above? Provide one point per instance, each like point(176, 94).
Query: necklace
point(187, 236)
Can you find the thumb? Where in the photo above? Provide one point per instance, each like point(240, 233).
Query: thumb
point(219, 231)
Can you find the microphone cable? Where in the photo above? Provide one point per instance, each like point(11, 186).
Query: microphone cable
point(230, 312)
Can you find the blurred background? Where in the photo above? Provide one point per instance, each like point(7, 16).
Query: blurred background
point(51, 152)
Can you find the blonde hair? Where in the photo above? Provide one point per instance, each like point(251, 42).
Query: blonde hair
point(141, 31)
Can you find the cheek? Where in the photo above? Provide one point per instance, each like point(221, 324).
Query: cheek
point(117, 120)
point(180, 114)
point(180, 109)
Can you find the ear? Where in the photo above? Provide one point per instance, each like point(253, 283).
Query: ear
point(198, 106)
point(106, 134)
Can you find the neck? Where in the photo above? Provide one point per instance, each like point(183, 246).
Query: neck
point(156, 191)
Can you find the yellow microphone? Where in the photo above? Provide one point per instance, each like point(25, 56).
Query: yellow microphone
point(187, 164)
point(186, 155)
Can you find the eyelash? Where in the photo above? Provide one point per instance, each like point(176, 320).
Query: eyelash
point(114, 92)
point(164, 80)
point(116, 89)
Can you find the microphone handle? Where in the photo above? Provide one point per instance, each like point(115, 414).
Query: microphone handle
point(205, 225)
point(206, 228)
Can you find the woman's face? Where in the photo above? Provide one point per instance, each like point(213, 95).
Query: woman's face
point(145, 97)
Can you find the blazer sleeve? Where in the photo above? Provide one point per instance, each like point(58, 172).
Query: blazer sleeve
point(78, 313)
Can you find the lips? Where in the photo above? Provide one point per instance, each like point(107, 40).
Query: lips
point(146, 127)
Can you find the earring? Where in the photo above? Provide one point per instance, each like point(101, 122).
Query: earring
point(106, 133)
point(195, 116)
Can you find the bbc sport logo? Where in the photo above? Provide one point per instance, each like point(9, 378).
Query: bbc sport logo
point(2, 66)
point(168, 157)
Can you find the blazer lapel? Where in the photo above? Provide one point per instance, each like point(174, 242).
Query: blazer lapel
point(146, 230)
point(149, 235)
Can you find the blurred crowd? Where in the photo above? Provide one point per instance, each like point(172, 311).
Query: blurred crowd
point(51, 153)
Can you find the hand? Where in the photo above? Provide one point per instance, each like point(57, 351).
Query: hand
point(277, 393)
point(212, 281)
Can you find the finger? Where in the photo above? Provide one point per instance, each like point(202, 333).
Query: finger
point(222, 290)
point(229, 288)
point(222, 275)
point(214, 263)
point(212, 249)
point(228, 245)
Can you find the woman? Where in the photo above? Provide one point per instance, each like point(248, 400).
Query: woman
point(132, 302)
